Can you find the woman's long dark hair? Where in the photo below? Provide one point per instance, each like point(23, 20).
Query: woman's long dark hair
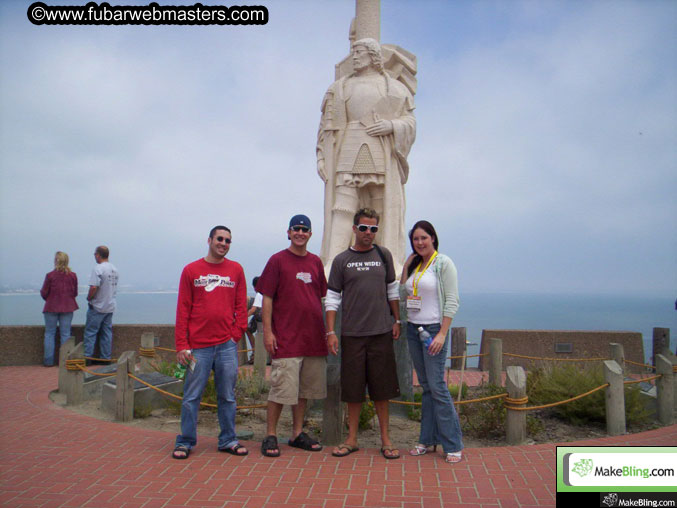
point(428, 228)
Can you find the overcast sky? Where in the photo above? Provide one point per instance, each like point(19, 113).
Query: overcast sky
point(546, 150)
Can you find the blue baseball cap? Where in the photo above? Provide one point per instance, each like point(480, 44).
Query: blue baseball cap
point(300, 220)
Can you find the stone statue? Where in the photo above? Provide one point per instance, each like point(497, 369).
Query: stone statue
point(366, 131)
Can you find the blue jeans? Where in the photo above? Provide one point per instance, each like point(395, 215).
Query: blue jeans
point(98, 324)
point(439, 420)
point(51, 319)
point(221, 358)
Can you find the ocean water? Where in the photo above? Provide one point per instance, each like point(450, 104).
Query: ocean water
point(477, 311)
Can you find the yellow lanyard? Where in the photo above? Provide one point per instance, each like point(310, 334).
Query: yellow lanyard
point(416, 281)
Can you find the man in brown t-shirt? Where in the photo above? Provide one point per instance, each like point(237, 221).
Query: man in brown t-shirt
point(362, 281)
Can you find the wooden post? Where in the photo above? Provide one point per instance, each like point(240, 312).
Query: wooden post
point(660, 342)
point(124, 392)
point(260, 353)
point(64, 351)
point(147, 342)
point(495, 361)
point(665, 390)
point(615, 399)
point(515, 421)
point(242, 350)
point(75, 378)
point(403, 362)
point(458, 346)
point(332, 411)
point(617, 354)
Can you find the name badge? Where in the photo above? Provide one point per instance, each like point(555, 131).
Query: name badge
point(414, 303)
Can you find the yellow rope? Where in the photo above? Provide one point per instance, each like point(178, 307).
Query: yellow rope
point(148, 352)
point(466, 356)
point(102, 359)
point(94, 373)
point(75, 364)
point(643, 379)
point(531, 408)
point(165, 349)
point(206, 404)
point(556, 359)
point(469, 401)
point(516, 402)
point(640, 364)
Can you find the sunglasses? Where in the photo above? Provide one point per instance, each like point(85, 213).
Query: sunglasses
point(223, 239)
point(363, 227)
point(302, 229)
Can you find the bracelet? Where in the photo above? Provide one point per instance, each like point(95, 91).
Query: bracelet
point(330, 333)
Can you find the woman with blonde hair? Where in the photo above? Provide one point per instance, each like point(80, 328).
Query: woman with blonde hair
point(59, 291)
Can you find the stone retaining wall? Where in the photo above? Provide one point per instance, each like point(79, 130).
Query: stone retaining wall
point(542, 343)
point(23, 345)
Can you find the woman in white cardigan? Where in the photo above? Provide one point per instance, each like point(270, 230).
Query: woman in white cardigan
point(432, 300)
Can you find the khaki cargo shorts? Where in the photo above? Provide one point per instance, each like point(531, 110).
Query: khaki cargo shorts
point(302, 377)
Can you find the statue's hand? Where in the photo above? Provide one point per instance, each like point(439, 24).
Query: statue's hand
point(380, 128)
point(321, 170)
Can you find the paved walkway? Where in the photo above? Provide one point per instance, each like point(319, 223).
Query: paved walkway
point(53, 457)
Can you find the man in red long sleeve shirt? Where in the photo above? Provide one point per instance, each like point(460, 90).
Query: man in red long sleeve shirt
point(211, 316)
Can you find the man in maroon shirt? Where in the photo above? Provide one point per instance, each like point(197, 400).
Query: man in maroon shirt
point(292, 285)
point(211, 316)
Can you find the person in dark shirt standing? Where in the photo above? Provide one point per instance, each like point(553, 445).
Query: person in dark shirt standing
point(362, 281)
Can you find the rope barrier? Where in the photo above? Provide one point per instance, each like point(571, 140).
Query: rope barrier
point(101, 359)
point(94, 373)
point(165, 349)
point(643, 379)
point(522, 401)
point(556, 359)
point(75, 364)
point(641, 364)
point(532, 408)
point(469, 401)
point(148, 352)
point(174, 396)
point(466, 356)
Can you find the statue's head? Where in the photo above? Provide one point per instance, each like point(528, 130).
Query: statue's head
point(373, 48)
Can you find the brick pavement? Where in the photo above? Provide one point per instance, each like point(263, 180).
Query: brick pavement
point(55, 458)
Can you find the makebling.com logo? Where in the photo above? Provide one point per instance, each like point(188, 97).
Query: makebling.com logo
point(583, 467)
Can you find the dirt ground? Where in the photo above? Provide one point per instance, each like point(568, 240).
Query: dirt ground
point(404, 432)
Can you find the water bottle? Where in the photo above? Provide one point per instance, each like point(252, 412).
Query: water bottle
point(425, 337)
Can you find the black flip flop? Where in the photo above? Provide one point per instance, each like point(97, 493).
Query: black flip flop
point(268, 445)
point(233, 450)
point(305, 442)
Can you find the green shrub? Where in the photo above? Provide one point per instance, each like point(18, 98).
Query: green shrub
point(453, 391)
point(367, 413)
point(414, 412)
point(556, 382)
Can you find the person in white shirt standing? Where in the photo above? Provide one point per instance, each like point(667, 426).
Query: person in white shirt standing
point(103, 285)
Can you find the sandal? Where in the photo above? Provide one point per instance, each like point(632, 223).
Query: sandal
point(233, 450)
point(453, 458)
point(305, 442)
point(420, 449)
point(391, 455)
point(344, 449)
point(268, 446)
point(181, 449)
